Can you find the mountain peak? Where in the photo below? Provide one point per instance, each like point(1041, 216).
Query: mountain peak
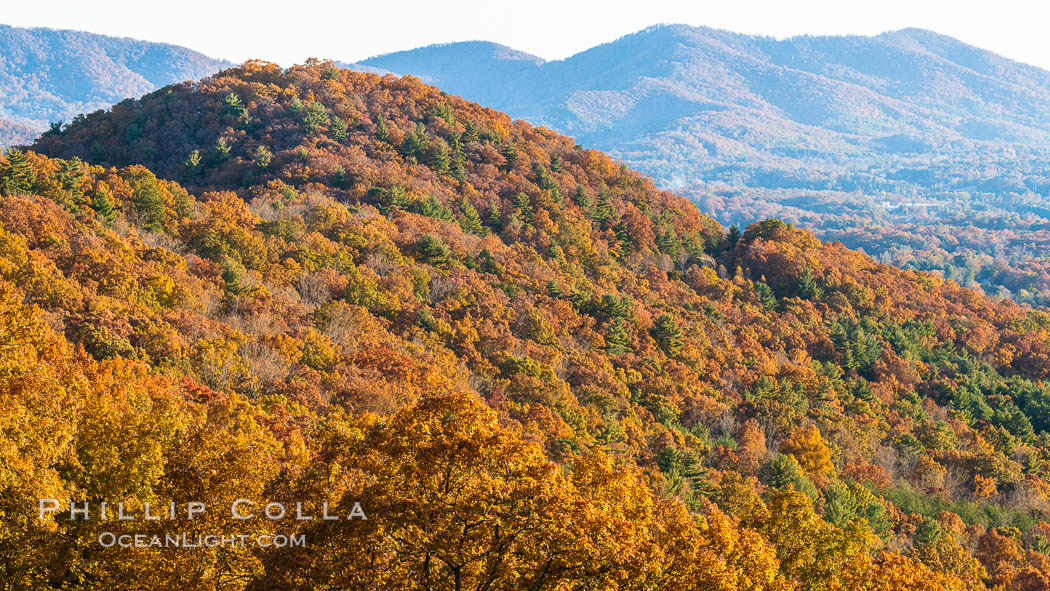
point(459, 49)
point(55, 74)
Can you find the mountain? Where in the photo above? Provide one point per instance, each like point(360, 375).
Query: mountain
point(526, 364)
point(700, 86)
point(922, 150)
point(12, 134)
point(49, 75)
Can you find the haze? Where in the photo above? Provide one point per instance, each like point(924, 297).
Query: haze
point(289, 32)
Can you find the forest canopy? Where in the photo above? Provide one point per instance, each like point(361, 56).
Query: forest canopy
point(530, 366)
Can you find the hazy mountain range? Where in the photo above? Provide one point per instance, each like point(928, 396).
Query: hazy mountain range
point(690, 104)
point(50, 75)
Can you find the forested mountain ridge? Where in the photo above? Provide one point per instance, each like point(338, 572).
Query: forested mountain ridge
point(350, 287)
point(920, 149)
point(49, 75)
point(832, 92)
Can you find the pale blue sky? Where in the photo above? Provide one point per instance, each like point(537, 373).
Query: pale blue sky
point(291, 30)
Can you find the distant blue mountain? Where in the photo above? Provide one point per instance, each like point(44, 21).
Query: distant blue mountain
point(692, 104)
point(50, 75)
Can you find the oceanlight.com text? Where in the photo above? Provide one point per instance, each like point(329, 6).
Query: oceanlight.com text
point(186, 540)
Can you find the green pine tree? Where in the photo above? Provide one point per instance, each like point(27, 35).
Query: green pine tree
point(667, 334)
point(808, 289)
point(70, 176)
point(438, 158)
point(416, 144)
point(604, 212)
point(784, 470)
point(471, 219)
point(732, 237)
point(339, 129)
point(766, 296)
point(617, 337)
point(667, 240)
point(341, 179)
point(433, 250)
point(262, 156)
point(193, 165)
point(233, 105)
point(495, 218)
point(382, 131)
point(18, 176)
point(524, 207)
point(581, 198)
point(222, 150)
point(510, 154)
point(315, 117)
point(103, 206)
point(554, 290)
point(433, 208)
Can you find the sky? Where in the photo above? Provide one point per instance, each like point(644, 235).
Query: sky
point(290, 31)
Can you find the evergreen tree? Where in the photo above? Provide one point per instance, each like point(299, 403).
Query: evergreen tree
point(262, 156)
point(840, 508)
point(18, 176)
point(581, 198)
point(698, 478)
point(471, 219)
point(808, 289)
point(617, 337)
point(667, 240)
point(433, 208)
point(470, 133)
point(766, 296)
point(338, 129)
point(233, 276)
point(495, 218)
point(510, 154)
point(667, 334)
point(623, 237)
point(783, 470)
point(70, 176)
point(341, 180)
point(315, 117)
point(524, 206)
point(457, 168)
point(233, 105)
point(612, 306)
point(295, 107)
point(554, 290)
point(388, 199)
point(103, 205)
point(604, 212)
point(732, 237)
point(444, 111)
point(382, 131)
point(416, 143)
point(433, 250)
point(193, 165)
point(437, 158)
point(222, 150)
point(546, 181)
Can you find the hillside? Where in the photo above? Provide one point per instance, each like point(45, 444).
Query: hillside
point(532, 367)
point(868, 140)
point(16, 134)
point(49, 75)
